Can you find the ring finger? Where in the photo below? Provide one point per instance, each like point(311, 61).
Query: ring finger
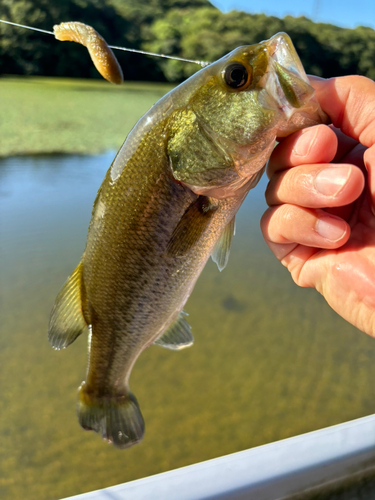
point(286, 224)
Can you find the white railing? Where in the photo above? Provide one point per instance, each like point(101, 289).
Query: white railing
point(310, 462)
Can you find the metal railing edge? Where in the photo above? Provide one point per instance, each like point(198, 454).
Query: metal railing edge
point(275, 471)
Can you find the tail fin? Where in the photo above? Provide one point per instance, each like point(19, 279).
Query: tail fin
point(117, 418)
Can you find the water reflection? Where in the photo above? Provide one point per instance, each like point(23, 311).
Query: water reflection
point(270, 360)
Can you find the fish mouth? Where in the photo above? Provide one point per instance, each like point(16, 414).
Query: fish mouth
point(285, 80)
point(281, 50)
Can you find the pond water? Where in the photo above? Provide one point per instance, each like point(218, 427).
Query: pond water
point(270, 360)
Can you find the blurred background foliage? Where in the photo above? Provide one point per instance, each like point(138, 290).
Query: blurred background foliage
point(192, 29)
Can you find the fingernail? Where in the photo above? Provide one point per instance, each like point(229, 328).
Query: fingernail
point(305, 141)
point(331, 180)
point(331, 228)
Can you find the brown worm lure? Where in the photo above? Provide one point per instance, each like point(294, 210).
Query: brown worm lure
point(102, 56)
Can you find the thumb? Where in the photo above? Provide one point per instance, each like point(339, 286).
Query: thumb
point(350, 103)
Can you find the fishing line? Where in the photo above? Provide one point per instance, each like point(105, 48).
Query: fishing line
point(153, 54)
point(201, 63)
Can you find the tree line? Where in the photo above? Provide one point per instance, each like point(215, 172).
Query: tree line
point(192, 29)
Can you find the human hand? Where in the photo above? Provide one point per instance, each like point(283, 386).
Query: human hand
point(321, 194)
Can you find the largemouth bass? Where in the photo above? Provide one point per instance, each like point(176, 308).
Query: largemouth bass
point(167, 203)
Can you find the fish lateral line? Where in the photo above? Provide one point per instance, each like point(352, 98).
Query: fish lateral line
point(203, 64)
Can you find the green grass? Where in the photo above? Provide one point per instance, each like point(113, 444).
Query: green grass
point(61, 115)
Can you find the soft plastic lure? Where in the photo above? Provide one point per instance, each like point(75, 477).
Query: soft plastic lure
point(102, 56)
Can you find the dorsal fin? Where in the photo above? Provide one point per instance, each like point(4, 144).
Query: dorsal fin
point(220, 254)
point(67, 322)
point(178, 336)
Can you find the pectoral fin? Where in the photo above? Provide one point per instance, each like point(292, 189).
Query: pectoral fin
point(220, 255)
point(67, 321)
point(191, 226)
point(178, 336)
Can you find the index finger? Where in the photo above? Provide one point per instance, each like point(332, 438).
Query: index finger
point(316, 144)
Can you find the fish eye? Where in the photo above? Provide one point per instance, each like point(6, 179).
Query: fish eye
point(236, 76)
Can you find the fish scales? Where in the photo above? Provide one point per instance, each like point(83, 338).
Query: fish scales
point(167, 203)
point(139, 280)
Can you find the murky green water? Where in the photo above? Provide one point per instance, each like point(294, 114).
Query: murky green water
point(270, 360)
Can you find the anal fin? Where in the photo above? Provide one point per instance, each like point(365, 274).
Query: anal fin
point(220, 255)
point(66, 321)
point(178, 336)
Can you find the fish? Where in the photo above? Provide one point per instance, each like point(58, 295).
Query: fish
point(167, 203)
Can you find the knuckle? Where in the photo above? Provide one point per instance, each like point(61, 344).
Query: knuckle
point(286, 213)
point(281, 223)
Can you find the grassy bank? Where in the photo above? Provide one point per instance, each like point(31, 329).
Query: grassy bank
point(61, 115)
